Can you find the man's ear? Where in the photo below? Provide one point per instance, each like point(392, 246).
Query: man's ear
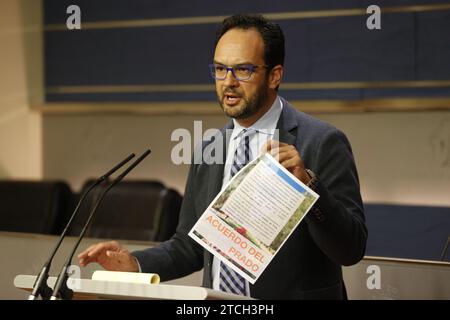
point(275, 76)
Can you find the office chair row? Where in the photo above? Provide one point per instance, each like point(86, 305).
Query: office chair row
point(133, 210)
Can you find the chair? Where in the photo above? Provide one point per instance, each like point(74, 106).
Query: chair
point(131, 210)
point(167, 222)
point(32, 206)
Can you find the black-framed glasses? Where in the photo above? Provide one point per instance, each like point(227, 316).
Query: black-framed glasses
point(240, 71)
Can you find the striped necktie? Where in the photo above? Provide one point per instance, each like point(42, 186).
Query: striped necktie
point(230, 281)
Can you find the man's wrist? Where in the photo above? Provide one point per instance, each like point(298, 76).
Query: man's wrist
point(312, 179)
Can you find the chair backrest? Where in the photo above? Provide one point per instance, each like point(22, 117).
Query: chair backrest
point(132, 210)
point(32, 206)
point(167, 219)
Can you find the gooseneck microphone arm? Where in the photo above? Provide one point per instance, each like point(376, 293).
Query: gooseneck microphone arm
point(61, 290)
point(444, 252)
point(40, 287)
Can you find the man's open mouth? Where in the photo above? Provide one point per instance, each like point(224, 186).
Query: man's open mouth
point(231, 99)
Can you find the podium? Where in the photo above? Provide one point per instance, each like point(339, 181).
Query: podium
point(86, 289)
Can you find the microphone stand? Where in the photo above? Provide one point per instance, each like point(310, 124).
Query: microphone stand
point(444, 252)
point(61, 291)
point(40, 287)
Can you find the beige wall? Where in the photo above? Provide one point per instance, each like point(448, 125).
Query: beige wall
point(401, 157)
point(78, 147)
point(20, 63)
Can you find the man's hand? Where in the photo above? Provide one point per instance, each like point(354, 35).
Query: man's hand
point(110, 255)
point(288, 156)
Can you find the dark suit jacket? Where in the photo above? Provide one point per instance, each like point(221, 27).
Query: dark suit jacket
point(308, 266)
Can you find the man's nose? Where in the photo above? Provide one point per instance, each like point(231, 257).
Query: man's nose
point(230, 80)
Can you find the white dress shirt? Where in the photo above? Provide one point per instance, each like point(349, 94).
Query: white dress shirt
point(265, 130)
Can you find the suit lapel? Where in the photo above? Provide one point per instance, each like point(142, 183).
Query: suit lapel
point(215, 176)
point(287, 124)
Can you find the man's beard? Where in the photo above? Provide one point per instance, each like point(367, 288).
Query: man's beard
point(250, 105)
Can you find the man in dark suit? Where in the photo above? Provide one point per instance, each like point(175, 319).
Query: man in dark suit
point(248, 68)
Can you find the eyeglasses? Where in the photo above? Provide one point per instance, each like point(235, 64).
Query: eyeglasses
point(240, 71)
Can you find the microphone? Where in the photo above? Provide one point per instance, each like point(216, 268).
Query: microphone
point(61, 290)
point(40, 287)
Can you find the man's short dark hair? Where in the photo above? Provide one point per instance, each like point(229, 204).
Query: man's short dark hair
point(271, 34)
